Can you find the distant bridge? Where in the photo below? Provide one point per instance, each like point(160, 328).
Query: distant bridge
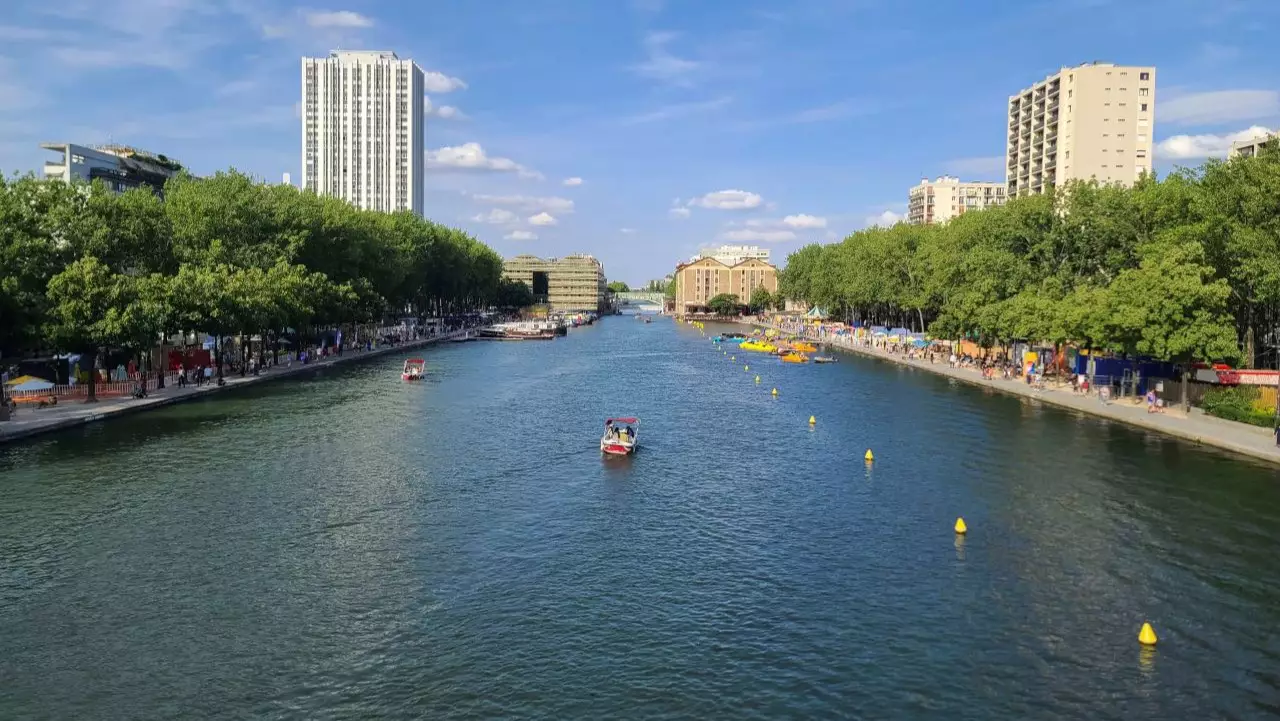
point(638, 297)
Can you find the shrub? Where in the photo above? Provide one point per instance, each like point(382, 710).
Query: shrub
point(1238, 403)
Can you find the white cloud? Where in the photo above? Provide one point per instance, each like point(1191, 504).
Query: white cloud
point(527, 203)
point(678, 212)
point(543, 218)
point(444, 112)
point(677, 110)
point(1221, 106)
point(886, 219)
point(521, 235)
point(729, 200)
point(572, 182)
point(661, 64)
point(497, 216)
point(436, 82)
point(761, 236)
point(470, 156)
point(1183, 147)
point(989, 166)
point(337, 19)
point(626, 231)
point(804, 221)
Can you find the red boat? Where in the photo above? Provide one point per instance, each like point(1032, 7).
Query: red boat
point(621, 436)
point(414, 370)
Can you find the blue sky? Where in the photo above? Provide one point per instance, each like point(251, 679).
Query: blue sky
point(688, 122)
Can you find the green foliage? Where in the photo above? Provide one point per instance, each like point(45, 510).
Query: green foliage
point(761, 299)
point(1182, 268)
point(83, 269)
point(618, 286)
point(724, 304)
point(1238, 403)
point(514, 294)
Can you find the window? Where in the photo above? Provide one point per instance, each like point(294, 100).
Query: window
point(1124, 90)
point(1144, 92)
point(1142, 154)
point(1143, 108)
point(1144, 76)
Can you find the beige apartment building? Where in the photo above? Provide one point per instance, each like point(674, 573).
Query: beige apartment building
point(571, 283)
point(937, 201)
point(1250, 148)
point(698, 281)
point(1092, 121)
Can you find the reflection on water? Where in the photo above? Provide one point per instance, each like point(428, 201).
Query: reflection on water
point(352, 546)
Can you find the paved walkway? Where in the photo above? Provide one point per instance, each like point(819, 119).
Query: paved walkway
point(1197, 427)
point(27, 421)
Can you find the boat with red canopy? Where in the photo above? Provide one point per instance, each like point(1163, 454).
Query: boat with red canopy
point(621, 436)
point(414, 369)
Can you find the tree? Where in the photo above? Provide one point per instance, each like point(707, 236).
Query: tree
point(88, 307)
point(618, 286)
point(761, 299)
point(724, 304)
point(514, 294)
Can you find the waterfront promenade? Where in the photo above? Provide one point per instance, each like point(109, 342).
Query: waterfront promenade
point(1252, 441)
point(27, 422)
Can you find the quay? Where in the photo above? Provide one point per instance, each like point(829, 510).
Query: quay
point(1252, 441)
point(27, 422)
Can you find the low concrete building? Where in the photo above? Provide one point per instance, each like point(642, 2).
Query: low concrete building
point(937, 201)
point(1251, 147)
point(698, 281)
point(571, 283)
point(120, 167)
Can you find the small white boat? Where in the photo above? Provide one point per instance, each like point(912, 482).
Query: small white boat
point(414, 369)
point(621, 436)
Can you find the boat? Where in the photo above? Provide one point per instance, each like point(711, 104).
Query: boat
point(795, 358)
point(414, 370)
point(758, 346)
point(824, 359)
point(648, 319)
point(621, 436)
point(804, 346)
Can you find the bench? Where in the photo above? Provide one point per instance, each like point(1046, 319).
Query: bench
point(37, 401)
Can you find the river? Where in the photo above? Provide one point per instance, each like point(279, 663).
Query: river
point(350, 546)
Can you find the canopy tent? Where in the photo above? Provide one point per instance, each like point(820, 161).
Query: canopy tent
point(816, 313)
point(28, 383)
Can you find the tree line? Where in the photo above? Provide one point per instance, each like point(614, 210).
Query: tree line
point(1183, 268)
point(83, 269)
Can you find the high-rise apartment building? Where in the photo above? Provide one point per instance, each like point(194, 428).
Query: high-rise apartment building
point(362, 134)
point(1093, 121)
point(937, 201)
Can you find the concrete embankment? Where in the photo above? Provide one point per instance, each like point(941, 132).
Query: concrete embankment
point(27, 422)
point(1251, 441)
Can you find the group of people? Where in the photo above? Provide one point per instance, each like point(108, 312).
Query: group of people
point(619, 433)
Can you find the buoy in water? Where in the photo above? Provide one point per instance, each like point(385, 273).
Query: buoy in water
point(746, 368)
point(774, 392)
point(960, 527)
point(1147, 636)
point(757, 379)
point(868, 457)
point(812, 420)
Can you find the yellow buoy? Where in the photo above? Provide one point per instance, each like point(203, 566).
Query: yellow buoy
point(774, 391)
point(960, 527)
point(757, 379)
point(812, 420)
point(1147, 636)
point(868, 457)
point(732, 358)
point(746, 368)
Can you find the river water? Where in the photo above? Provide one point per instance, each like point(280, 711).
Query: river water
point(350, 546)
